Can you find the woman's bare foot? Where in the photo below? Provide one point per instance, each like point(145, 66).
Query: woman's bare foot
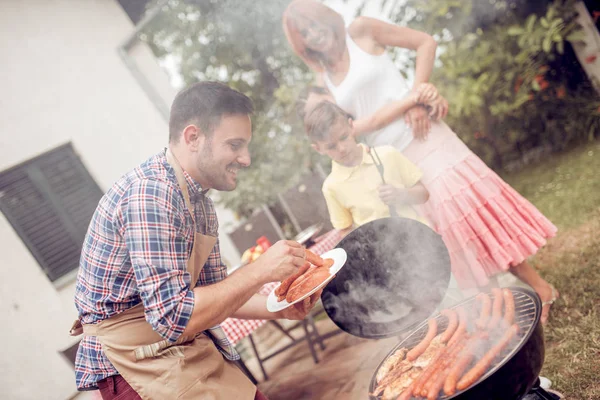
point(548, 296)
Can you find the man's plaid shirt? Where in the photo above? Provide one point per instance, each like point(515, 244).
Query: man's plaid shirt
point(136, 250)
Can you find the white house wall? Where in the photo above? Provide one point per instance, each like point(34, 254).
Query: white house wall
point(62, 80)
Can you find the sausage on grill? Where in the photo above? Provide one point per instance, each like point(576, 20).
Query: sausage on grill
point(509, 307)
point(434, 385)
point(424, 344)
point(462, 326)
point(430, 370)
point(486, 310)
point(483, 364)
point(452, 324)
point(462, 362)
point(497, 309)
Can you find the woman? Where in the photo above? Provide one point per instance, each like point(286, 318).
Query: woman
point(486, 225)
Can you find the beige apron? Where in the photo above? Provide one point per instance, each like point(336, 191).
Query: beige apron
point(190, 368)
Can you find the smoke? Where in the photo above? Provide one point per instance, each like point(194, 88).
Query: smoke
point(479, 348)
point(396, 275)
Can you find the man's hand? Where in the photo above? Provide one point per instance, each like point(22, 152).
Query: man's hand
point(280, 261)
point(418, 118)
point(300, 310)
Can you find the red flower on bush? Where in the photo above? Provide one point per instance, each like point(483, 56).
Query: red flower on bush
point(543, 84)
point(518, 84)
point(591, 59)
point(561, 92)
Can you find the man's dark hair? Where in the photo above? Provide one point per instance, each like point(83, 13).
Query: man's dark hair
point(204, 104)
point(303, 97)
point(320, 119)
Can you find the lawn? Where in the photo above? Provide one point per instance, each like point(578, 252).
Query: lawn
point(566, 189)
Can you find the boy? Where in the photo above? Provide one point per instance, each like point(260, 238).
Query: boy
point(354, 191)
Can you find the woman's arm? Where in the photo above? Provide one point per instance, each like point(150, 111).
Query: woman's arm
point(383, 116)
point(424, 94)
point(377, 35)
point(384, 34)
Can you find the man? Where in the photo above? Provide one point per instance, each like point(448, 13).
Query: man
point(152, 289)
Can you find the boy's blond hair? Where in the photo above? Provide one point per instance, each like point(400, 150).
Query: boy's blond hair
point(321, 118)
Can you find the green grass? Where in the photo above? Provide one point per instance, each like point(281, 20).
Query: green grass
point(566, 189)
point(573, 333)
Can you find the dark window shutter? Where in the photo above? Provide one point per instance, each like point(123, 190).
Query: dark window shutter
point(49, 201)
point(71, 353)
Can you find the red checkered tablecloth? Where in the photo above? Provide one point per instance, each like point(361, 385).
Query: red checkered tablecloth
point(326, 242)
point(237, 329)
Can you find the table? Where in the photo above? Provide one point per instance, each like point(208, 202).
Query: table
point(326, 242)
point(237, 329)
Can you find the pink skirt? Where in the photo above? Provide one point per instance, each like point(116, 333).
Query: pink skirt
point(486, 225)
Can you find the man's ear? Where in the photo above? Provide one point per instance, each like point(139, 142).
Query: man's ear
point(192, 136)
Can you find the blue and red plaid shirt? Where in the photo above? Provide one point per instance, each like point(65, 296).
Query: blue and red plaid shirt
point(136, 250)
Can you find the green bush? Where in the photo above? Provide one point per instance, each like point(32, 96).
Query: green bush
point(511, 77)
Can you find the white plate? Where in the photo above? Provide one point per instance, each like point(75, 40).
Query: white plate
point(339, 259)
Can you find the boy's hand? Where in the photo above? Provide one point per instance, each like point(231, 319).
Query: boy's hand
point(392, 195)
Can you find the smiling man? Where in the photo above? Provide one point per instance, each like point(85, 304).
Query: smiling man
point(152, 289)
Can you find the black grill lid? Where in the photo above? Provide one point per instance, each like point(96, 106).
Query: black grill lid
point(396, 274)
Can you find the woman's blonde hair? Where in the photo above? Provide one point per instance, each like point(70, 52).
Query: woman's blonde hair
point(317, 12)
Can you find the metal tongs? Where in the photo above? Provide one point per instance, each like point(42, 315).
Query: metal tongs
point(380, 168)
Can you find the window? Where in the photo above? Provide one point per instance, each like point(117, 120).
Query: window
point(135, 9)
point(49, 201)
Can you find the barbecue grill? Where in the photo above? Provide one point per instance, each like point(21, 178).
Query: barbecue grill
point(397, 261)
point(515, 371)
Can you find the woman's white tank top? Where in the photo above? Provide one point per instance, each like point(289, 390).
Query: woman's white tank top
point(372, 82)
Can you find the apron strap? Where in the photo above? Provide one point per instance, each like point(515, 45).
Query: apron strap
point(180, 180)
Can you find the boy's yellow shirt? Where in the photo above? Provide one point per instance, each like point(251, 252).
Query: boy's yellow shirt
point(351, 192)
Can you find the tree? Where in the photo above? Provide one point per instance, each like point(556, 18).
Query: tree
point(509, 72)
point(241, 43)
point(506, 67)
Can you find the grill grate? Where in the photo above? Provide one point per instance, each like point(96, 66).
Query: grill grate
point(526, 316)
